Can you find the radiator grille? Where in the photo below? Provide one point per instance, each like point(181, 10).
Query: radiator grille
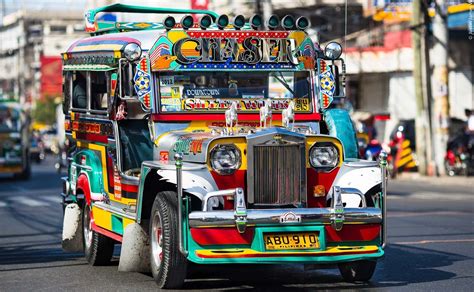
point(277, 174)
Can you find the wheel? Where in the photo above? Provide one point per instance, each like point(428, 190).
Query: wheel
point(358, 271)
point(98, 249)
point(168, 264)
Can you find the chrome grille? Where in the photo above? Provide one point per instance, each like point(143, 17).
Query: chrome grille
point(277, 174)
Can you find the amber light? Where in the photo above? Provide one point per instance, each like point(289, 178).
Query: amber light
point(319, 191)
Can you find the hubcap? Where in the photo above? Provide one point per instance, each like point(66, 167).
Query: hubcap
point(157, 239)
point(87, 227)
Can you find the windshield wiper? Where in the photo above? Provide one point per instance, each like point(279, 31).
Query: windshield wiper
point(283, 82)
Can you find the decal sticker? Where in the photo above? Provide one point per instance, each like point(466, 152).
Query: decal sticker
point(166, 80)
point(164, 156)
point(327, 85)
point(207, 104)
point(161, 58)
point(113, 84)
point(117, 185)
point(142, 83)
point(186, 145)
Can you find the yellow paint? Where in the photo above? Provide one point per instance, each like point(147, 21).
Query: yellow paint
point(406, 143)
point(102, 218)
point(176, 35)
point(406, 152)
point(235, 252)
point(117, 54)
point(101, 47)
point(404, 161)
point(126, 222)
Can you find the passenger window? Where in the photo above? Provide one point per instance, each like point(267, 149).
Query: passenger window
point(67, 91)
point(79, 95)
point(99, 90)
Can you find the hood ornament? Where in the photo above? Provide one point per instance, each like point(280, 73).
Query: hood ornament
point(231, 118)
point(288, 115)
point(266, 113)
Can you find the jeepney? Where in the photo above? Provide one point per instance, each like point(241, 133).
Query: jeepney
point(14, 140)
point(214, 142)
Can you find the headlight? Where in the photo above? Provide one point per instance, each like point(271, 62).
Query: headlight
point(333, 51)
point(225, 159)
point(324, 156)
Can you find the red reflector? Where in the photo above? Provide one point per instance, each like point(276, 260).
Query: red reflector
point(367, 232)
point(217, 236)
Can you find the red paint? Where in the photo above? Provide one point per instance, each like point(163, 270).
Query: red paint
point(92, 137)
point(83, 185)
point(367, 232)
point(283, 254)
point(222, 236)
point(51, 78)
point(319, 178)
point(130, 188)
point(110, 172)
point(245, 117)
point(106, 232)
point(225, 182)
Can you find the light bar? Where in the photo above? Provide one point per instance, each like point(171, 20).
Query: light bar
point(187, 22)
point(205, 21)
point(302, 23)
point(169, 22)
point(273, 22)
point(256, 21)
point(239, 21)
point(222, 21)
point(288, 22)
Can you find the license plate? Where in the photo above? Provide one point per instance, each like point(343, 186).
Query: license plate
point(281, 241)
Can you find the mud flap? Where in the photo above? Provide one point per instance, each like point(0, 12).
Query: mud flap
point(135, 252)
point(72, 239)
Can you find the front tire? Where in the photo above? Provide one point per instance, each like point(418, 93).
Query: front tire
point(358, 271)
point(98, 249)
point(168, 264)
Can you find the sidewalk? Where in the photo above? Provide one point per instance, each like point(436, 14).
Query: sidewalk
point(437, 180)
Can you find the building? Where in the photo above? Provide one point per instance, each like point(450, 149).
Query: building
point(30, 47)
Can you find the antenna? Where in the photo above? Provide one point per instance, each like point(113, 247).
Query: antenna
point(345, 28)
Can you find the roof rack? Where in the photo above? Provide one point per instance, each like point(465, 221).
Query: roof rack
point(97, 27)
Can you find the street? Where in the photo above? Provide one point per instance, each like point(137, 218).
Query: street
point(431, 244)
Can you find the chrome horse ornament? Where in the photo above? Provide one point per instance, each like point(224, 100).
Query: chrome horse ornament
point(231, 117)
point(288, 115)
point(266, 113)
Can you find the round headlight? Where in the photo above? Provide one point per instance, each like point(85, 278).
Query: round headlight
point(132, 52)
point(333, 51)
point(225, 159)
point(323, 157)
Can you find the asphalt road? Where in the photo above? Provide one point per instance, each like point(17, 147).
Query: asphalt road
point(430, 233)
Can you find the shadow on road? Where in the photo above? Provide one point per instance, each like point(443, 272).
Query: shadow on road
point(401, 266)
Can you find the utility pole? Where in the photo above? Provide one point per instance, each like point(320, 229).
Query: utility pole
point(440, 82)
point(418, 31)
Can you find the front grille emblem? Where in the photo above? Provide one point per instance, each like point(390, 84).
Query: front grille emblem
point(290, 217)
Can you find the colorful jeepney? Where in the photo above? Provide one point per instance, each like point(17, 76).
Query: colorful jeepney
point(214, 142)
point(14, 140)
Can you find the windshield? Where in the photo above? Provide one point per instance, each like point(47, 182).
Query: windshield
point(205, 91)
point(9, 120)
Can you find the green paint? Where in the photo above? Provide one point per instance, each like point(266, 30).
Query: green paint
point(117, 224)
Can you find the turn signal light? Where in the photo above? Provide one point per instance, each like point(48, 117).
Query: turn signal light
point(319, 191)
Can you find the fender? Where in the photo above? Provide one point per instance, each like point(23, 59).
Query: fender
point(358, 174)
point(89, 178)
point(157, 177)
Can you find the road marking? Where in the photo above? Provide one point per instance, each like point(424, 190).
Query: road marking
point(55, 199)
point(394, 214)
point(2, 204)
point(432, 196)
point(28, 202)
point(434, 241)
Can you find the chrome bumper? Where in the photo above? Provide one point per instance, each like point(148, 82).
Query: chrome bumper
point(273, 216)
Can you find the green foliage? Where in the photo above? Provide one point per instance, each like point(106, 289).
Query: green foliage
point(45, 111)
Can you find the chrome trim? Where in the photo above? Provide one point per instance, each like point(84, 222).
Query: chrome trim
point(383, 167)
point(356, 192)
point(179, 175)
point(337, 215)
point(199, 219)
point(116, 210)
point(210, 195)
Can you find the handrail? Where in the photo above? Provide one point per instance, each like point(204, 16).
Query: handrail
point(145, 9)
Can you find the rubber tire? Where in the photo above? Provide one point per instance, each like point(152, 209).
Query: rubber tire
point(172, 271)
point(102, 248)
point(358, 271)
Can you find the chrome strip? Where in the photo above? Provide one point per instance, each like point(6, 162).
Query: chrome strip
point(119, 211)
point(272, 216)
point(179, 186)
point(383, 167)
